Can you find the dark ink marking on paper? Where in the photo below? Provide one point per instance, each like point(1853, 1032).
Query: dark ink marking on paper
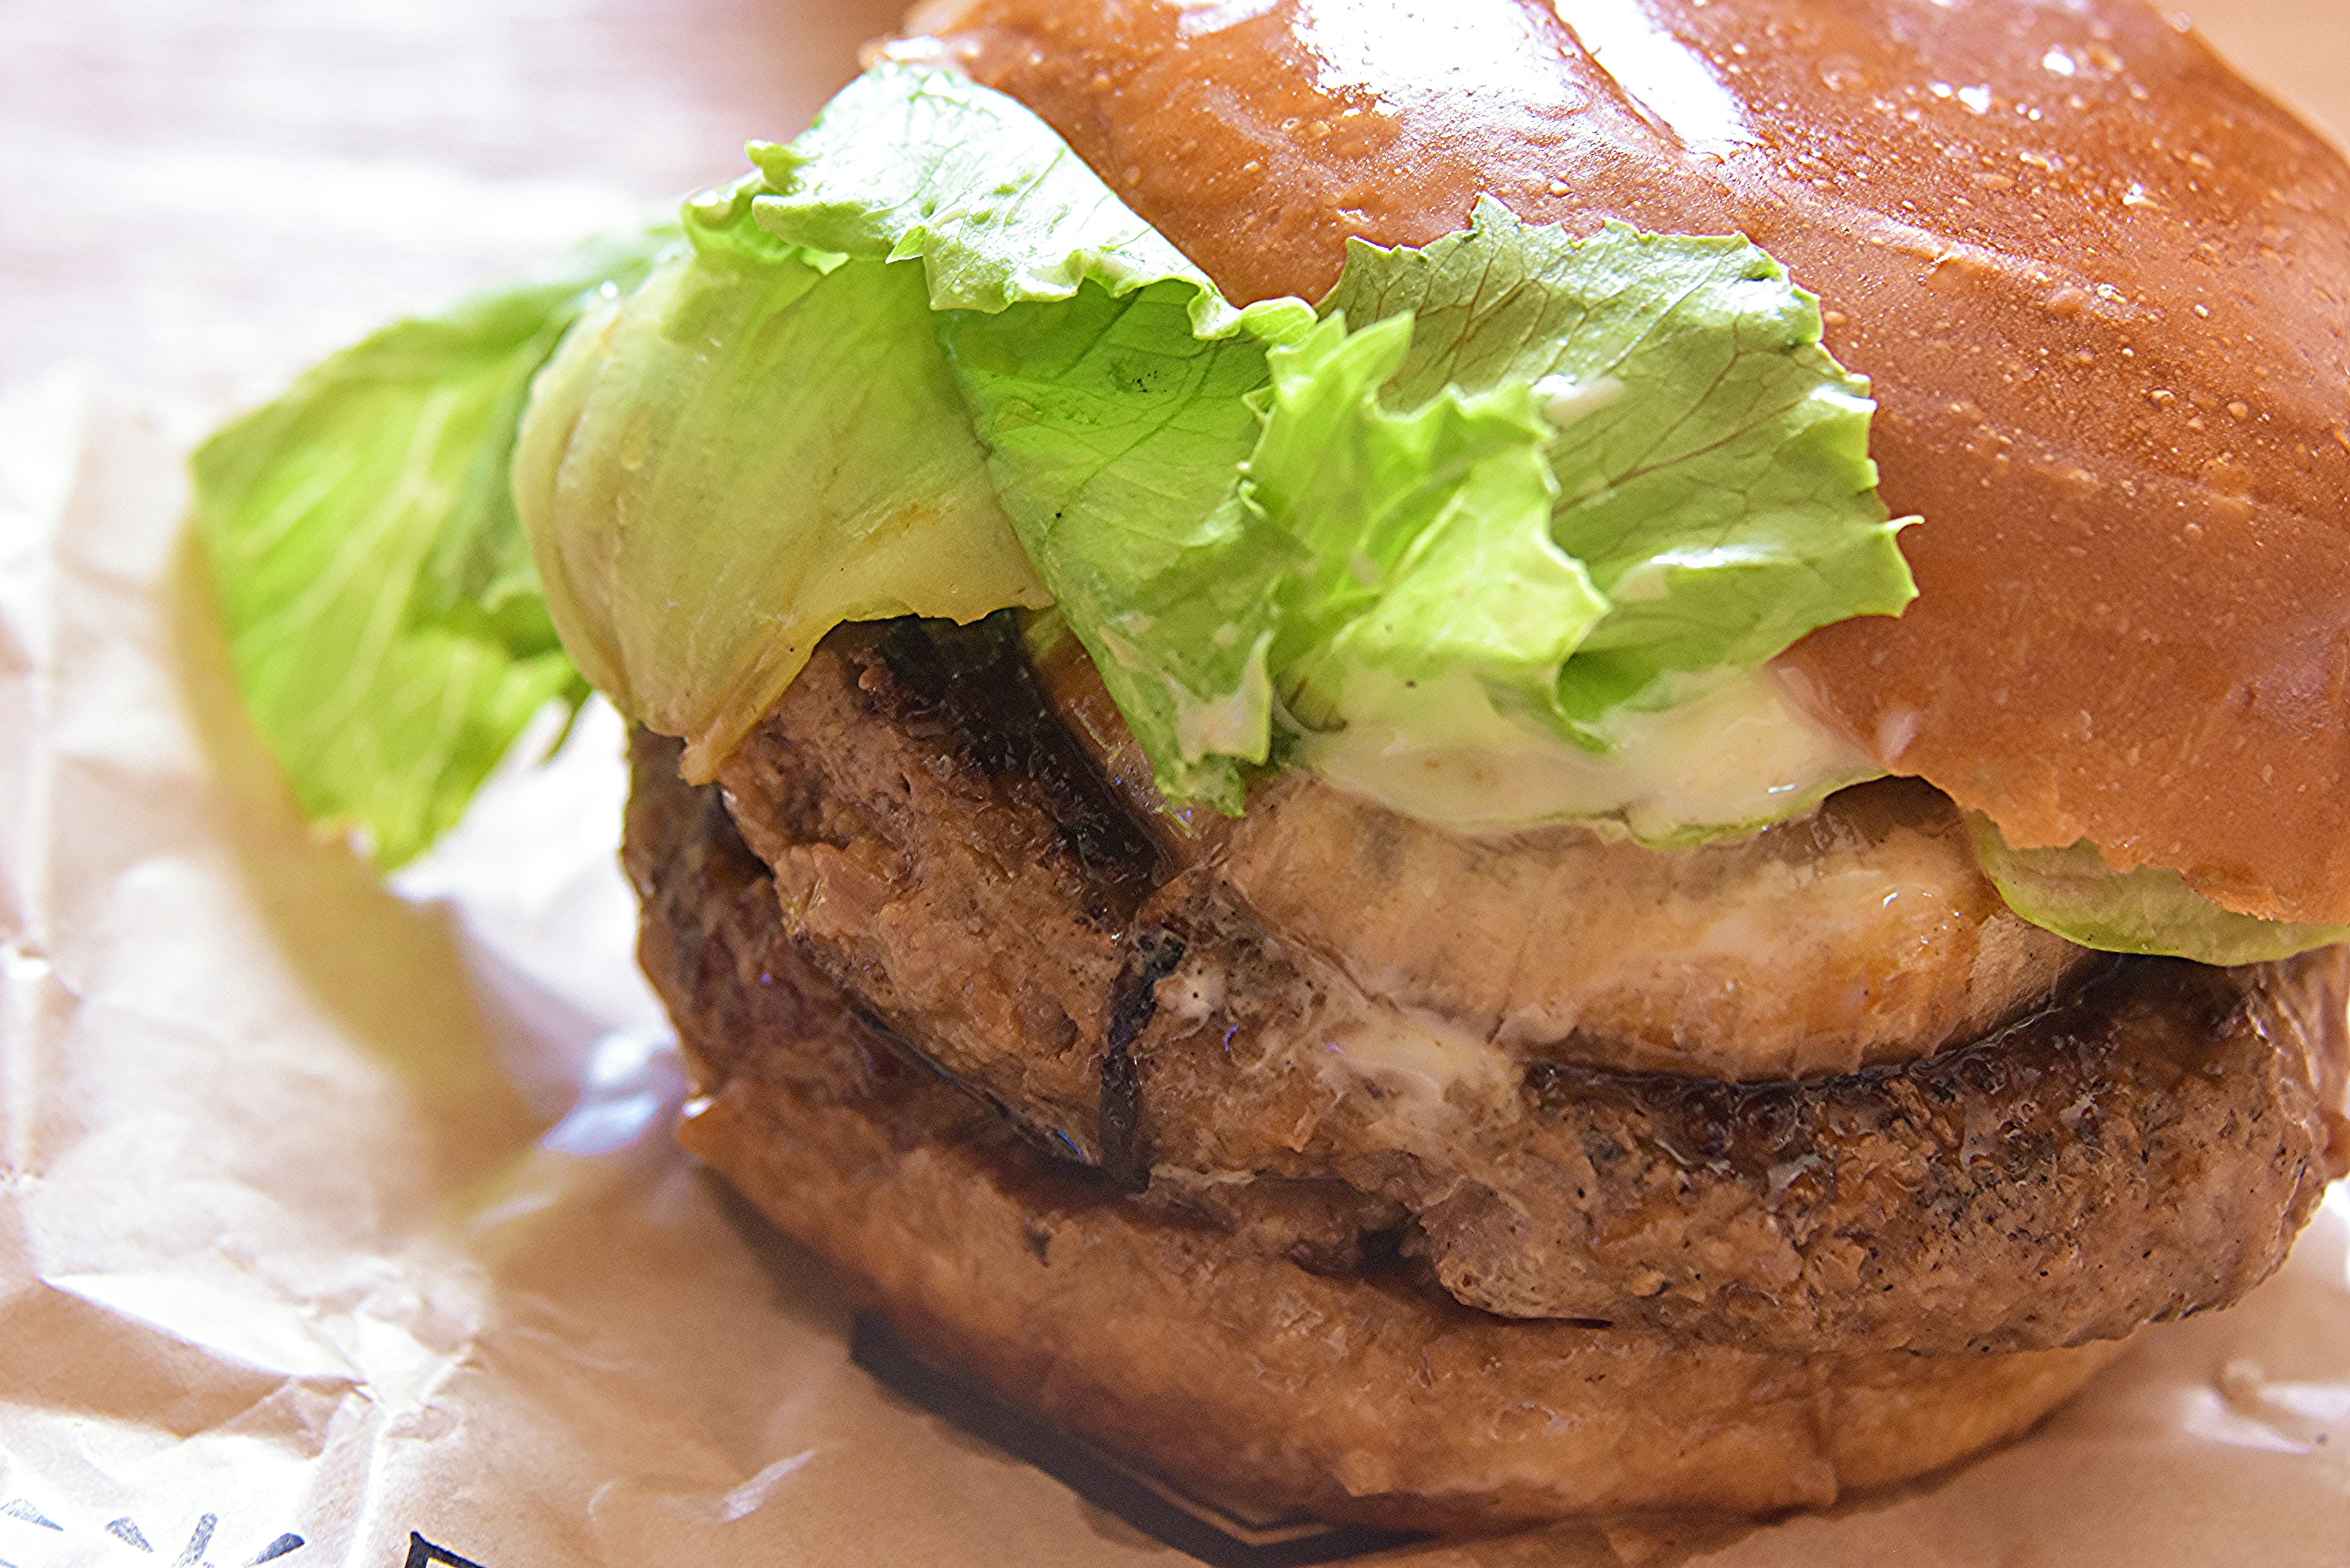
point(194, 1552)
point(422, 1553)
point(125, 1531)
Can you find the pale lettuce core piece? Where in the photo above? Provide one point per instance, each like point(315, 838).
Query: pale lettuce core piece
point(382, 614)
point(756, 445)
point(2149, 909)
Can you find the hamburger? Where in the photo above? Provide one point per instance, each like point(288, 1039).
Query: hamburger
point(1321, 789)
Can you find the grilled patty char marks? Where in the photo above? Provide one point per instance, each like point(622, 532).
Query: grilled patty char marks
point(942, 847)
point(2146, 1149)
point(754, 1009)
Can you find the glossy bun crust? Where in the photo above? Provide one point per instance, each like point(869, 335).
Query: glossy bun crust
point(2102, 285)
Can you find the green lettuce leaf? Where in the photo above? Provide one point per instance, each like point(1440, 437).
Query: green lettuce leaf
point(1118, 439)
point(1569, 473)
point(383, 616)
point(1428, 533)
point(1711, 458)
point(2149, 909)
point(924, 362)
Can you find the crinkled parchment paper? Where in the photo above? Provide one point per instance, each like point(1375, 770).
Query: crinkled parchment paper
point(342, 1212)
point(337, 1218)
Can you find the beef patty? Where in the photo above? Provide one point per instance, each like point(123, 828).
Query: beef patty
point(948, 856)
point(1226, 1366)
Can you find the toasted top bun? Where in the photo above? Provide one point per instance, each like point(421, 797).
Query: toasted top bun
point(2102, 285)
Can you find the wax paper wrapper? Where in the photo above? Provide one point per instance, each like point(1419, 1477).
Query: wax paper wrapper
point(341, 1224)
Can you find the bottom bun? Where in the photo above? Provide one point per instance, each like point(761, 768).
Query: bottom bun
point(1266, 1389)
